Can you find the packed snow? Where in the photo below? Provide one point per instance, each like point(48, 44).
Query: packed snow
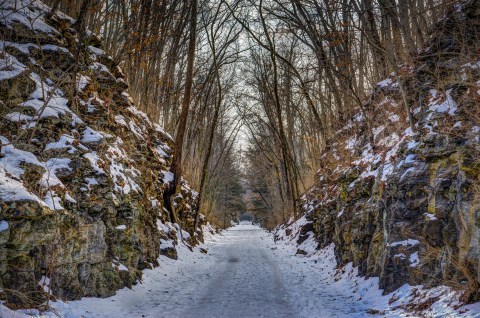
point(246, 274)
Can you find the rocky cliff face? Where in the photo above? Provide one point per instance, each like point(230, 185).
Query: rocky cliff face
point(406, 207)
point(82, 171)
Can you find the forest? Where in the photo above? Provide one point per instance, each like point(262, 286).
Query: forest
point(239, 158)
point(262, 84)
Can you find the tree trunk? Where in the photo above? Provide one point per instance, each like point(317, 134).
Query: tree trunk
point(176, 167)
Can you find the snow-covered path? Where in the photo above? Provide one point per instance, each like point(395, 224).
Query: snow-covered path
point(246, 274)
point(247, 281)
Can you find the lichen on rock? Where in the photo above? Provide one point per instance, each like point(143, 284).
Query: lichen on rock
point(406, 208)
point(81, 173)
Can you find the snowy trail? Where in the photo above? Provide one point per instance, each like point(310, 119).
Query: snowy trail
point(247, 282)
point(244, 274)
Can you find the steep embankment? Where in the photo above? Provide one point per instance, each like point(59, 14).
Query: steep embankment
point(405, 206)
point(82, 171)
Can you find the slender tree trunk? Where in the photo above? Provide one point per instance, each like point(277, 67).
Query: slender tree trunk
point(80, 23)
point(176, 167)
point(219, 97)
point(282, 136)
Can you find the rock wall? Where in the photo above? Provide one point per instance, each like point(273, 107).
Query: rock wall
point(82, 171)
point(406, 208)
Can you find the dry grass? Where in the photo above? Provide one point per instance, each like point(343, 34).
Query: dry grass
point(460, 275)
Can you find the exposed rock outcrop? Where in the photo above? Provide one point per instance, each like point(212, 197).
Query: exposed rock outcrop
point(82, 171)
point(406, 208)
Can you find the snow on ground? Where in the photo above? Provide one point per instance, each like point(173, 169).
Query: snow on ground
point(246, 274)
point(323, 290)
